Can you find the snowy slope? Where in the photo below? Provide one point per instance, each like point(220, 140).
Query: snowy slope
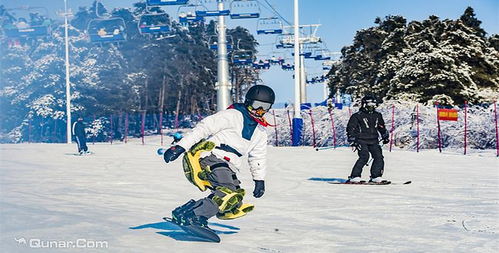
point(120, 193)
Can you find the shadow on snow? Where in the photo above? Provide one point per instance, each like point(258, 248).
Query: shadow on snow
point(175, 232)
point(331, 179)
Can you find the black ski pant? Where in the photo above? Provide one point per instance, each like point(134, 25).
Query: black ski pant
point(221, 175)
point(82, 143)
point(378, 164)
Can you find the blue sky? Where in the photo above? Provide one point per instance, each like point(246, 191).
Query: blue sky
point(340, 20)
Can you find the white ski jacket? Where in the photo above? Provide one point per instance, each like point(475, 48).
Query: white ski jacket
point(232, 128)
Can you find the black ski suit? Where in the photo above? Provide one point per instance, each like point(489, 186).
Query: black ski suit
point(362, 129)
point(79, 134)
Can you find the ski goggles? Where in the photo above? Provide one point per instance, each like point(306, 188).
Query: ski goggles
point(260, 107)
point(371, 103)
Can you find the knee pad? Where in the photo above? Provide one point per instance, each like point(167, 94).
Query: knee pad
point(228, 199)
point(193, 170)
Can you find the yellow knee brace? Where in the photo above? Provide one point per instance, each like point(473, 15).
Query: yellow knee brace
point(192, 168)
point(230, 200)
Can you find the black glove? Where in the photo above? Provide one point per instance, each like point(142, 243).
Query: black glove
point(259, 188)
point(173, 153)
point(385, 137)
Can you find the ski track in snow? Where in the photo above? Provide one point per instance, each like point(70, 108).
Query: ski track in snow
point(120, 193)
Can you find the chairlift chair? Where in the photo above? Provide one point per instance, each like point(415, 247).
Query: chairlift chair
point(242, 57)
point(154, 23)
point(25, 27)
point(272, 25)
point(166, 2)
point(106, 30)
point(213, 42)
point(187, 15)
point(202, 11)
point(244, 9)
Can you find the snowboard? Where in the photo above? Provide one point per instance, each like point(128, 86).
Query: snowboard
point(84, 154)
point(198, 231)
point(345, 181)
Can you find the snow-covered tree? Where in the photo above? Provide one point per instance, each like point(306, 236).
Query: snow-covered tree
point(445, 61)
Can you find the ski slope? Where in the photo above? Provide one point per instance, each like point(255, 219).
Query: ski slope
point(119, 195)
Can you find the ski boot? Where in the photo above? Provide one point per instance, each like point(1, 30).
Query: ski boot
point(179, 212)
point(193, 171)
point(192, 219)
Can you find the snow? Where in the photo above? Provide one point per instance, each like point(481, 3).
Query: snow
point(119, 194)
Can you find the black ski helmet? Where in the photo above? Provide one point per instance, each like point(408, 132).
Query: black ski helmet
point(261, 93)
point(369, 98)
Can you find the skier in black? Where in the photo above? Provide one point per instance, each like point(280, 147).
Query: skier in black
point(362, 133)
point(80, 135)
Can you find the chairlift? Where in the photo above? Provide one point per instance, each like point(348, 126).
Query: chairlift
point(202, 11)
point(285, 41)
point(244, 9)
point(213, 42)
point(307, 55)
point(322, 55)
point(272, 25)
point(261, 64)
point(106, 29)
point(242, 57)
point(154, 23)
point(187, 15)
point(36, 24)
point(276, 60)
point(166, 2)
point(288, 67)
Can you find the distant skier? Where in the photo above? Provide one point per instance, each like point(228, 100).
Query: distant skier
point(80, 135)
point(362, 133)
point(231, 134)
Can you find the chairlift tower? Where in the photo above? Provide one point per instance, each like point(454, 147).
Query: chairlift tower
point(67, 14)
point(297, 119)
point(223, 85)
point(300, 36)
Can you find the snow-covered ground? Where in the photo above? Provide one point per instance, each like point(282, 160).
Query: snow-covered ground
point(117, 196)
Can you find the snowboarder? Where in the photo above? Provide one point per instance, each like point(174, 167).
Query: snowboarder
point(80, 135)
point(224, 138)
point(362, 133)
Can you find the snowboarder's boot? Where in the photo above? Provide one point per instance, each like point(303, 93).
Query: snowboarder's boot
point(355, 180)
point(179, 212)
point(236, 212)
point(189, 218)
point(193, 171)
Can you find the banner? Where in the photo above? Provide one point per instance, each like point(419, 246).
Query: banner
point(447, 114)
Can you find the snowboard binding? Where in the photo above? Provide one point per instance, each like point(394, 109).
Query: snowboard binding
point(193, 170)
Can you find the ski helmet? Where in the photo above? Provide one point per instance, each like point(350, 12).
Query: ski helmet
point(370, 102)
point(261, 93)
point(259, 99)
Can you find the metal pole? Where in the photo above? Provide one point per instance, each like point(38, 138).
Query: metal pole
point(303, 79)
point(297, 120)
point(465, 125)
point(326, 88)
point(223, 85)
point(68, 93)
point(297, 60)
